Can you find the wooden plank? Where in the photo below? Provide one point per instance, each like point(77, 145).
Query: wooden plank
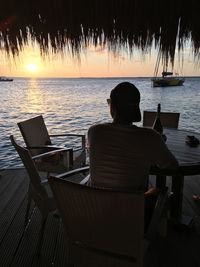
point(12, 239)
point(9, 184)
point(11, 199)
point(186, 247)
point(27, 247)
point(50, 241)
point(61, 255)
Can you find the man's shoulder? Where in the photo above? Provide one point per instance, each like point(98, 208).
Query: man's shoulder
point(147, 130)
point(148, 133)
point(99, 127)
point(131, 129)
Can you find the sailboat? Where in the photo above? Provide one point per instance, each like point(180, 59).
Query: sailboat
point(168, 79)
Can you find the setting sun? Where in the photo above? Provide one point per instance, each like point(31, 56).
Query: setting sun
point(32, 67)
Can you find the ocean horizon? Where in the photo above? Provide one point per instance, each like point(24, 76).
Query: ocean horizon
point(100, 77)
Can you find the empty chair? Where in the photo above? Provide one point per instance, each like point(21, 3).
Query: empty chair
point(39, 190)
point(103, 227)
point(168, 119)
point(38, 140)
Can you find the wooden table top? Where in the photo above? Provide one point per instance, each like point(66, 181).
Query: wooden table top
point(176, 143)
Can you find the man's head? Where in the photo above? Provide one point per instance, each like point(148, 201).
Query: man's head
point(125, 100)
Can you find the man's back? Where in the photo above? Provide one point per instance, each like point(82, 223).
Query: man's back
point(121, 155)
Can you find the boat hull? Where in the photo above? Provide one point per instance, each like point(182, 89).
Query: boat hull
point(167, 82)
point(5, 79)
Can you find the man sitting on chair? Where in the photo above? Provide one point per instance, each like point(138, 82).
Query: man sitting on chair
point(122, 153)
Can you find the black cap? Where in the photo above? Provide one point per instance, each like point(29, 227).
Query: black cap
point(126, 97)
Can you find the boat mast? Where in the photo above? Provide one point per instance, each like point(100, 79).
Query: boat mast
point(157, 63)
point(164, 73)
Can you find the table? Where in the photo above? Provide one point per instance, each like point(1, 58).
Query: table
point(189, 159)
point(176, 143)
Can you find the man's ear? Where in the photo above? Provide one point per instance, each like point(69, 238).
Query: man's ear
point(111, 106)
point(112, 110)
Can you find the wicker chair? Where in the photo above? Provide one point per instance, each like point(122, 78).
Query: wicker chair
point(104, 227)
point(169, 119)
point(39, 190)
point(38, 140)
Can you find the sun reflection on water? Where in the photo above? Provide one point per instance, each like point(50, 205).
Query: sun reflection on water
point(35, 102)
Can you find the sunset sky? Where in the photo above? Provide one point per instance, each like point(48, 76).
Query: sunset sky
point(93, 63)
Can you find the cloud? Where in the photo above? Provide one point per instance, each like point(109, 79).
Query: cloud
point(98, 50)
point(117, 56)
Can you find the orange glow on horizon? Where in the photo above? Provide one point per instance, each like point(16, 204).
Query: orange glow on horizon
point(95, 63)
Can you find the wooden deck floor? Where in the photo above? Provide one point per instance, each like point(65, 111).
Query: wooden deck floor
point(181, 248)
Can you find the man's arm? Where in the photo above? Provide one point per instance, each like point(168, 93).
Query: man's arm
point(163, 157)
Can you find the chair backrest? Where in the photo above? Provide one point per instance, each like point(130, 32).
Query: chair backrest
point(168, 119)
point(29, 164)
point(34, 132)
point(101, 219)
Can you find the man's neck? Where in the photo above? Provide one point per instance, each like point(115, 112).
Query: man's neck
point(118, 121)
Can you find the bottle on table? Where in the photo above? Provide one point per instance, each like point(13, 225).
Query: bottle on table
point(157, 125)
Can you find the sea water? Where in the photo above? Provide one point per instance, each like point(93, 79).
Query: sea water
point(73, 105)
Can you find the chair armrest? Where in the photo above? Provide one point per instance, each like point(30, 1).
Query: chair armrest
point(52, 152)
point(46, 147)
point(79, 135)
point(76, 135)
point(85, 180)
point(73, 172)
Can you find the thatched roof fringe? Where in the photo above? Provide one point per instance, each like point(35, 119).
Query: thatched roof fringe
point(75, 24)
